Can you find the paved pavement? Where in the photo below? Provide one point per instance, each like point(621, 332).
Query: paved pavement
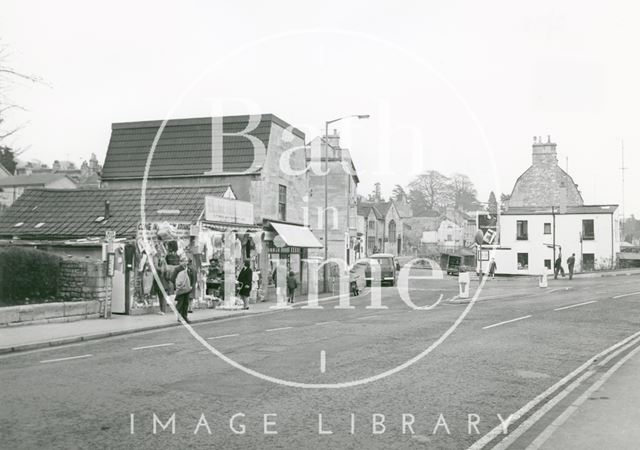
point(28, 337)
point(498, 355)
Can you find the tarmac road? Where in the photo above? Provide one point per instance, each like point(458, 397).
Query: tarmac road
point(515, 342)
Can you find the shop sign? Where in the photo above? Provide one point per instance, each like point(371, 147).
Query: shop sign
point(183, 229)
point(283, 250)
point(218, 209)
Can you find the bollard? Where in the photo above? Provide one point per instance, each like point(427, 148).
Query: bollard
point(543, 281)
point(463, 283)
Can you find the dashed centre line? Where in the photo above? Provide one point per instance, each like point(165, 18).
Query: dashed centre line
point(279, 329)
point(505, 322)
point(153, 346)
point(575, 305)
point(626, 295)
point(223, 336)
point(325, 323)
point(65, 359)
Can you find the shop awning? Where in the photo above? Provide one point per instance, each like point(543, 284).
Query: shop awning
point(296, 236)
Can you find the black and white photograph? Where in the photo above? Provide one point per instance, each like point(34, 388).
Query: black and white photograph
point(319, 225)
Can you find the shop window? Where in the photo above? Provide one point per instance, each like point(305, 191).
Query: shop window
point(522, 230)
point(547, 264)
point(547, 228)
point(282, 202)
point(587, 230)
point(523, 261)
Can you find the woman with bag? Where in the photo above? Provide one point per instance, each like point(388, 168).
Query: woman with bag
point(183, 288)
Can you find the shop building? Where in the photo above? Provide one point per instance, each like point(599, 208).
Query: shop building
point(261, 157)
point(76, 222)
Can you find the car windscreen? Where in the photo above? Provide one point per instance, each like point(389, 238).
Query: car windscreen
point(385, 263)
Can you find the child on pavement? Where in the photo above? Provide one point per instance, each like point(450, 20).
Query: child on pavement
point(292, 284)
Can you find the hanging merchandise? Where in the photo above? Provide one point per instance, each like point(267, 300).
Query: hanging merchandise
point(147, 282)
point(237, 249)
point(143, 261)
point(217, 241)
point(166, 231)
point(257, 241)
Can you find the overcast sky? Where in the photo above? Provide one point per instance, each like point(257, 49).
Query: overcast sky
point(458, 86)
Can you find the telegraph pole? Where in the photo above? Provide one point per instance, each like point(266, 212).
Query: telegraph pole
point(622, 169)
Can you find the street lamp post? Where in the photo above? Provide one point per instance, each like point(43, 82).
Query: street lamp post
point(326, 188)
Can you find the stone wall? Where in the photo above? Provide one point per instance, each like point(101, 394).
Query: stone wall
point(83, 279)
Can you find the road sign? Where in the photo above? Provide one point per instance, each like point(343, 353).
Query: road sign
point(110, 235)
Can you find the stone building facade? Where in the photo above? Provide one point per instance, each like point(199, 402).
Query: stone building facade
point(342, 184)
point(544, 183)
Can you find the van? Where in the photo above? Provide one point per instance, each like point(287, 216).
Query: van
point(388, 268)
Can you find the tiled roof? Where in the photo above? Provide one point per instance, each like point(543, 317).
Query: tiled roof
point(31, 180)
point(184, 147)
point(69, 214)
point(585, 209)
point(365, 207)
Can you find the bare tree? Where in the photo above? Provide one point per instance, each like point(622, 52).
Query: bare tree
point(398, 193)
point(9, 77)
point(432, 187)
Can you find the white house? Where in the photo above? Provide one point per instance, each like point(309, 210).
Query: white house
point(546, 215)
point(528, 235)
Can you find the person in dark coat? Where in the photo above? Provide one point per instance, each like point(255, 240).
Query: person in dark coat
point(557, 268)
point(292, 284)
point(245, 279)
point(492, 268)
point(571, 262)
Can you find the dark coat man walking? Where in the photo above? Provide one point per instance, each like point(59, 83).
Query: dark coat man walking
point(571, 261)
point(245, 278)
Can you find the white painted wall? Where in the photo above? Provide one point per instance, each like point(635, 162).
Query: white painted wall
point(568, 228)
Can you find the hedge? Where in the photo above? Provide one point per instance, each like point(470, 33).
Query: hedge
point(28, 276)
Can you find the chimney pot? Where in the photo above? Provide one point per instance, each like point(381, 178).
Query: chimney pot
point(548, 139)
point(106, 209)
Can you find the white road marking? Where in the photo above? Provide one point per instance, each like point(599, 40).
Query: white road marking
point(324, 323)
point(65, 359)
point(577, 304)
point(505, 322)
point(626, 295)
point(562, 418)
point(323, 361)
point(279, 329)
point(367, 317)
point(223, 336)
point(513, 435)
point(560, 289)
point(152, 346)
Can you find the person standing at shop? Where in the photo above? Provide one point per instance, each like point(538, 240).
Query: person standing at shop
point(245, 279)
point(292, 284)
point(183, 286)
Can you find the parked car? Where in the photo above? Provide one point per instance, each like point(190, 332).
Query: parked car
point(389, 268)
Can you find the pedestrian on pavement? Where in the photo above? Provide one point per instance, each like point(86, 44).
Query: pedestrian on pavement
point(183, 286)
point(558, 265)
point(492, 268)
point(163, 287)
point(245, 278)
point(292, 284)
point(193, 279)
point(571, 261)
